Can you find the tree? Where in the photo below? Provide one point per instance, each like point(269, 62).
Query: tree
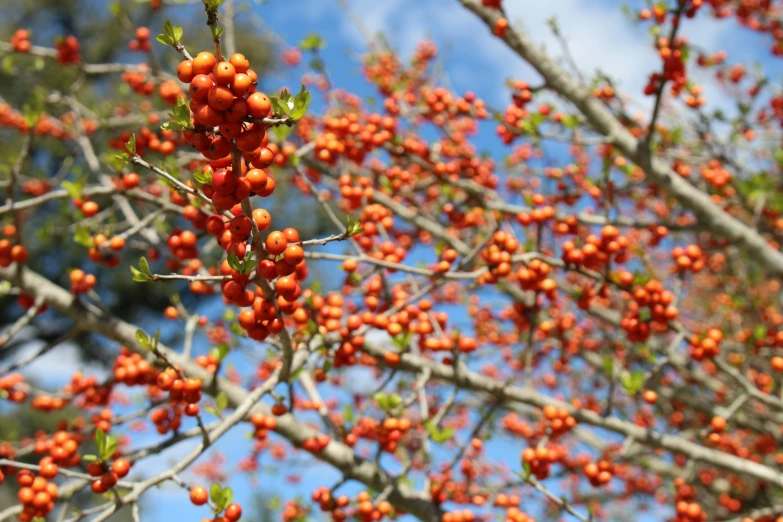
point(592, 327)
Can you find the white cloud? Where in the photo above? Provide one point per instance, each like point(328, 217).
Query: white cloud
point(56, 367)
point(599, 35)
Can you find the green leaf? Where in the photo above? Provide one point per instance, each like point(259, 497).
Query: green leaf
point(570, 121)
point(243, 266)
point(181, 111)
point(131, 145)
point(144, 266)
point(285, 97)
point(312, 42)
point(106, 444)
point(632, 382)
point(676, 136)
point(760, 332)
point(173, 32)
point(174, 126)
point(143, 339)
point(82, 236)
point(640, 279)
point(274, 503)
point(8, 65)
point(395, 401)
point(221, 401)
point(220, 496)
point(779, 156)
point(383, 401)
point(279, 107)
point(220, 351)
point(100, 440)
point(74, 190)
point(156, 339)
point(237, 330)
point(248, 264)
point(31, 116)
point(5, 287)
point(120, 159)
point(312, 327)
point(685, 53)
point(317, 65)
point(402, 341)
point(281, 132)
point(301, 101)
point(528, 470)
point(233, 261)
point(216, 493)
point(111, 447)
point(205, 178)
point(537, 119)
point(552, 23)
point(89, 458)
point(437, 435)
point(608, 366)
point(167, 29)
point(139, 277)
point(352, 227)
point(165, 40)
point(348, 414)
point(445, 435)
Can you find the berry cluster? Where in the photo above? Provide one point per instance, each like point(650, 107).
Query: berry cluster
point(141, 41)
point(36, 494)
point(68, 50)
point(21, 41)
point(181, 390)
point(650, 311)
point(706, 346)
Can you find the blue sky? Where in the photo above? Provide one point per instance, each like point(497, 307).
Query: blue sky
point(600, 37)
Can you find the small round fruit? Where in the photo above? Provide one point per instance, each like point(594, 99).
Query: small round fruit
point(293, 255)
point(276, 243)
point(240, 63)
point(204, 63)
point(258, 105)
point(220, 97)
point(198, 495)
point(120, 467)
point(224, 73)
point(249, 140)
point(185, 71)
point(262, 218)
point(257, 178)
point(200, 87)
point(291, 234)
point(233, 512)
point(241, 84)
point(237, 110)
